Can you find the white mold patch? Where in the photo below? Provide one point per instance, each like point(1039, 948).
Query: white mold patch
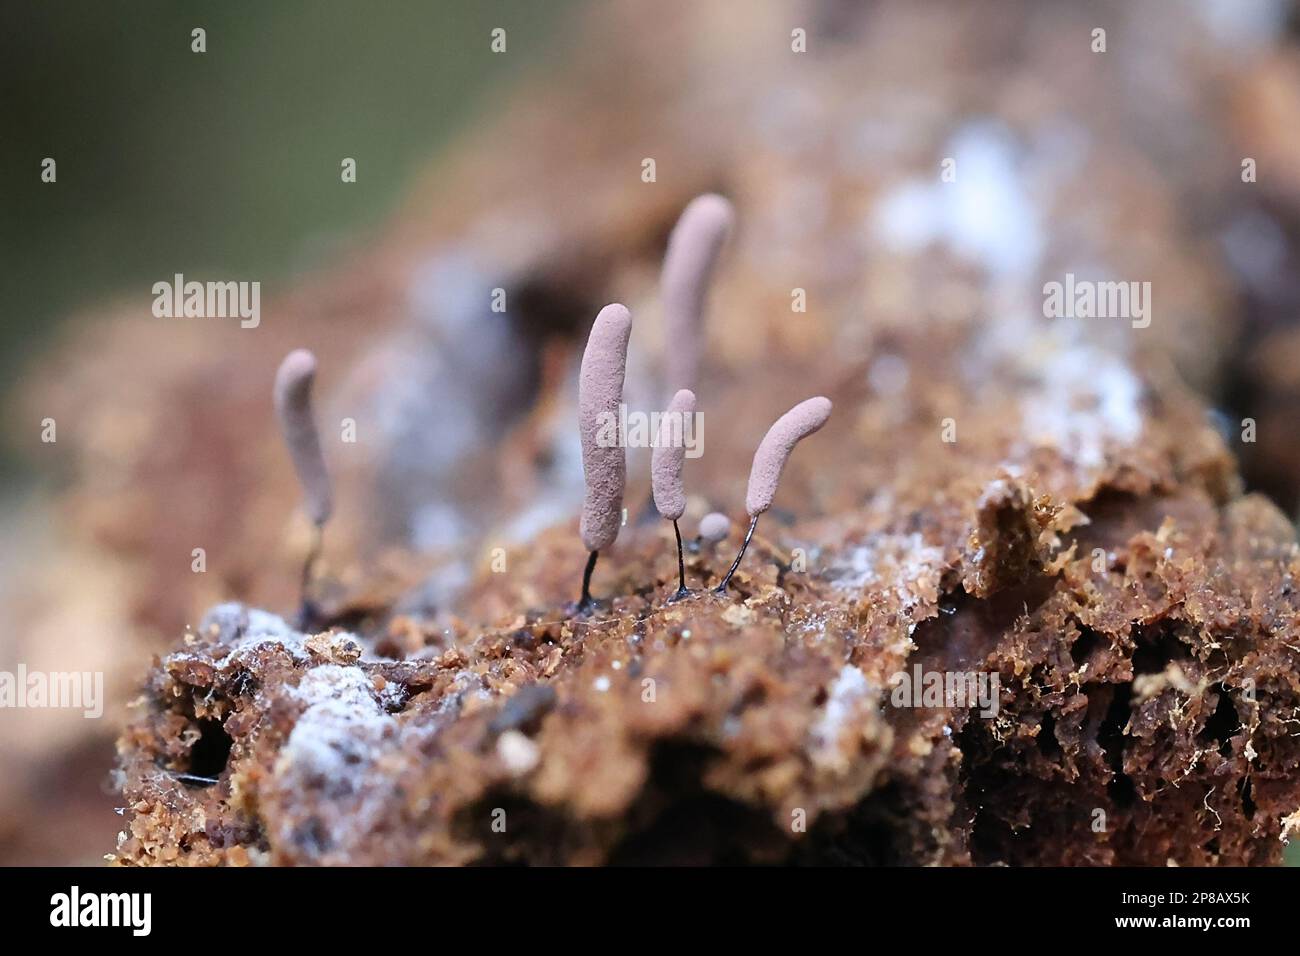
point(329, 755)
point(902, 566)
point(1085, 400)
point(850, 696)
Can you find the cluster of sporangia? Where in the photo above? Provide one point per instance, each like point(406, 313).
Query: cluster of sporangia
point(693, 250)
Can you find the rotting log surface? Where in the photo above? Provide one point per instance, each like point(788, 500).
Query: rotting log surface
point(1138, 611)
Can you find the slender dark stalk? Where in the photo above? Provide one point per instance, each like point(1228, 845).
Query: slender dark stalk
point(313, 554)
point(307, 610)
point(722, 588)
point(586, 603)
point(681, 567)
point(195, 779)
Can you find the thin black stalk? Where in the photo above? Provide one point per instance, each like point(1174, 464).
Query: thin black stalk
point(681, 567)
point(307, 609)
point(722, 588)
point(587, 603)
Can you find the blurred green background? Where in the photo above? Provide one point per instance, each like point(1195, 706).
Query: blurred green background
point(225, 162)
